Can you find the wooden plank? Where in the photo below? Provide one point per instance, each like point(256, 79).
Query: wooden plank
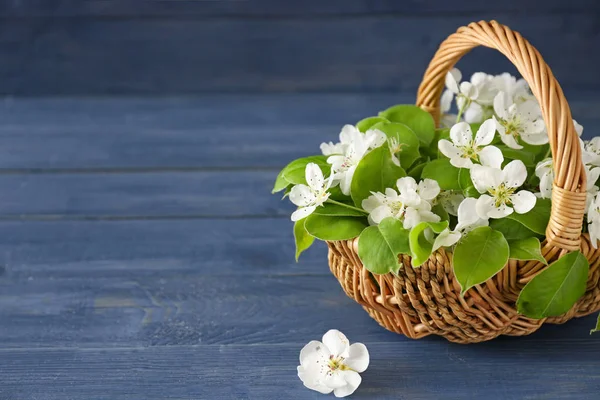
point(200, 132)
point(203, 8)
point(155, 56)
point(201, 194)
point(193, 308)
point(423, 370)
point(146, 249)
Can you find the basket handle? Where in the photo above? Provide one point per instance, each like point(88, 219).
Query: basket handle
point(569, 188)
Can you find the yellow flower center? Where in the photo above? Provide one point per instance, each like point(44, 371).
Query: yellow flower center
point(502, 194)
point(335, 364)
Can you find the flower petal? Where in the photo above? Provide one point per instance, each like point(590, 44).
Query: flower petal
point(411, 218)
point(469, 90)
point(535, 139)
point(515, 173)
point(310, 379)
point(452, 79)
point(473, 114)
point(337, 343)
point(578, 128)
point(429, 189)
point(485, 133)
point(375, 137)
point(407, 184)
point(448, 149)
point(379, 213)
point(446, 239)
point(371, 202)
point(301, 195)
point(312, 352)
point(523, 201)
point(303, 212)
point(461, 134)
point(501, 103)
point(446, 101)
point(347, 133)
point(486, 208)
point(314, 176)
point(491, 156)
point(509, 140)
point(529, 110)
point(466, 216)
point(460, 162)
point(358, 358)
point(484, 178)
point(346, 180)
point(353, 381)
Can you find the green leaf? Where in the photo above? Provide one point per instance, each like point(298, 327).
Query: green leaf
point(526, 249)
point(294, 171)
point(365, 124)
point(597, 328)
point(513, 154)
point(302, 238)
point(439, 209)
point(327, 227)
point(420, 246)
point(556, 289)
point(536, 219)
point(280, 183)
point(416, 171)
point(379, 246)
point(409, 150)
point(478, 256)
point(447, 176)
point(329, 209)
point(511, 229)
point(374, 173)
point(420, 121)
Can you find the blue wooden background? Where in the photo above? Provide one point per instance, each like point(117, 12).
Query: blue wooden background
point(141, 253)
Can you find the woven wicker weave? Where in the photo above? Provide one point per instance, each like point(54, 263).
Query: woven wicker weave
point(423, 301)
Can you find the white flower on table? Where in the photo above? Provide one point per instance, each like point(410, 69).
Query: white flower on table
point(463, 150)
point(545, 172)
point(309, 197)
point(523, 120)
point(467, 221)
point(333, 365)
point(411, 204)
point(498, 188)
point(353, 146)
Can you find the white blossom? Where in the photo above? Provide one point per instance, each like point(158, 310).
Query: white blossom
point(591, 152)
point(447, 119)
point(593, 218)
point(498, 188)
point(591, 175)
point(450, 200)
point(333, 365)
point(467, 221)
point(309, 197)
point(411, 204)
point(519, 120)
point(354, 146)
point(517, 89)
point(545, 172)
point(463, 151)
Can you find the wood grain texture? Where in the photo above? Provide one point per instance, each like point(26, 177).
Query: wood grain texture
point(365, 53)
point(244, 8)
point(399, 370)
point(127, 249)
point(131, 134)
point(194, 194)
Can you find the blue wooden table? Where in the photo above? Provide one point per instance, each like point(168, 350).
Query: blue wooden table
point(142, 255)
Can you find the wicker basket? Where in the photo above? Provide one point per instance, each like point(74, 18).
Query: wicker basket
point(422, 301)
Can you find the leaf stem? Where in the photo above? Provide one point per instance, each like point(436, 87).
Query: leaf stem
point(347, 206)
